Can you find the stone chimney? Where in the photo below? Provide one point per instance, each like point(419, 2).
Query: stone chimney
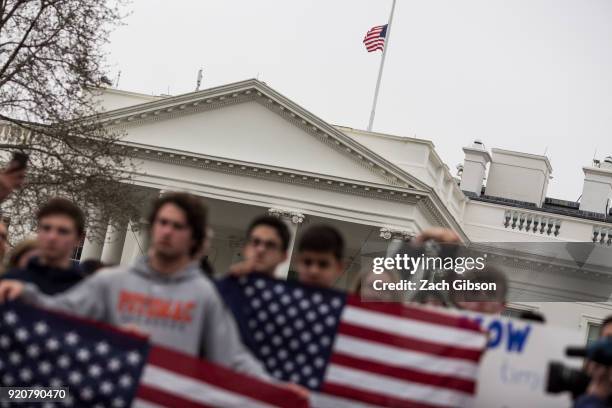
point(597, 189)
point(474, 167)
point(518, 176)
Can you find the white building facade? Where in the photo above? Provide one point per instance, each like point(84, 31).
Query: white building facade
point(248, 150)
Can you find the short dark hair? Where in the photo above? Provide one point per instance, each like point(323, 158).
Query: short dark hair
point(606, 321)
point(322, 238)
point(273, 222)
point(195, 212)
point(62, 206)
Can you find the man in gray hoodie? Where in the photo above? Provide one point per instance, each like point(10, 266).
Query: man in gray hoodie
point(163, 295)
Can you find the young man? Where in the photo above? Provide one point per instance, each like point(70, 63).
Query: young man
point(3, 243)
point(320, 256)
point(163, 294)
point(11, 178)
point(599, 391)
point(266, 247)
point(60, 228)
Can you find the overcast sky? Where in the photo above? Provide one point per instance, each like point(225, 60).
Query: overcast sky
point(526, 75)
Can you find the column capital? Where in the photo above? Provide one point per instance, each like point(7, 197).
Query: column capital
point(293, 216)
point(388, 233)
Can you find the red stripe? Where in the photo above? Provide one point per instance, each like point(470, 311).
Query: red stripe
point(410, 343)
point(224, 378)
point(372, 398)
point(165, 399)
point(396, 372)
point(421, 314)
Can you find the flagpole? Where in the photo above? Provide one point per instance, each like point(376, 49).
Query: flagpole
point(382, 66)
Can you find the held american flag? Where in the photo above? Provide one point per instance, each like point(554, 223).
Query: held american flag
point(375, 38)
point(354, 354)
point(105, 367)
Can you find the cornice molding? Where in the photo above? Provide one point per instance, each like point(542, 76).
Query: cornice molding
point(433, 215)
point(315, 181)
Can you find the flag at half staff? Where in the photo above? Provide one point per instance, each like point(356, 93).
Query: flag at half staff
point(375, 38)
point(355, 354)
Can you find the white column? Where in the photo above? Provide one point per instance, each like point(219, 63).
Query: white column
point(94, 240)
point(136, 241)
point(113, 244)
point(92, 248)
point(293, 220)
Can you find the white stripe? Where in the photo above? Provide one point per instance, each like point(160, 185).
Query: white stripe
point(140, 403)
point(413, 328)
point(395, 388)
point(195, 390)
point(400, 357)
point(322, 400)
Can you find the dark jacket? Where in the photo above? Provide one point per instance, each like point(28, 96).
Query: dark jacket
point(590, 401)
point(48, 280)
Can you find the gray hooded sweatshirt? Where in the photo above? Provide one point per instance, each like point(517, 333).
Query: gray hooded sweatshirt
point(182, 311)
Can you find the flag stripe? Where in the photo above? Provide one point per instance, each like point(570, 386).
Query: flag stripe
point(397, 356)
point(194, 390)
point(420, 314)
point(392, 388)
point(399, 325)
point(373, 398)
point(322, 400)
point(148, 394)
point(403, 373)
point(410, 343)
point(221, 378)
point(140, 403)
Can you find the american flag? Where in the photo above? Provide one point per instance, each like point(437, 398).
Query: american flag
point(104, 367)
point(354, 354)
point(41, 349)
point(375, 38)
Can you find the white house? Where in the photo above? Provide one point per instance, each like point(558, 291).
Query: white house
point(249, 150)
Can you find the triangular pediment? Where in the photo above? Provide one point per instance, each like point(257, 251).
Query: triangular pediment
point(250, 122)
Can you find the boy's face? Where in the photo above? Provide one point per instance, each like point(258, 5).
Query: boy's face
point(318, 268)
point(171, 236)
point(57, 237)
point(264, 248)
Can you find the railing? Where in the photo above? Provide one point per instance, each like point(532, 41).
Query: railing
point(602, 235)
point(530, 222)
